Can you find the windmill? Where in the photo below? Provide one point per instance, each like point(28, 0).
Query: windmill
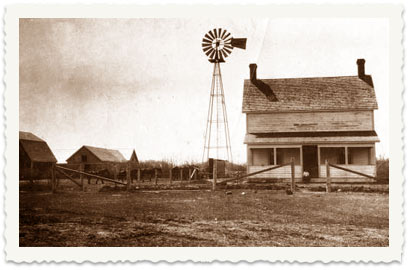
point(217, 45)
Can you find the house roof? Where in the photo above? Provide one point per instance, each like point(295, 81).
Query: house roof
point(36, 148)
point(103, 154)
point(309, 94)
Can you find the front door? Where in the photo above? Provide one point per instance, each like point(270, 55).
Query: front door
point(310, 163)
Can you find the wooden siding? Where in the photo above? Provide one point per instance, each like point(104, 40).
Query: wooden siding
point(337, 173)
point(309, 121)
point(283, 172)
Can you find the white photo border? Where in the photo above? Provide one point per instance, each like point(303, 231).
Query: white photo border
point(15, 253)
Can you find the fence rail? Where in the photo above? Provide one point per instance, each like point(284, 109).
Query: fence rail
point(291, 164)
point(328, 177)
point(91, 175)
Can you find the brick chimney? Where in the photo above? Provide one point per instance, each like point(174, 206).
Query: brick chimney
point(252, 72)
point(361, 69)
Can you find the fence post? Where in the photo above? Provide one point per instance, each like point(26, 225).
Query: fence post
point(32, 172)
point(171, 176)
point(115, 172)
point(189, 174)
point(181, 174)
point(128, 176)
point(53, 181)
point(328, 179)
point(214, 183)
point(292, 170)
point(81, 176)
point(138, 175)
point(155, 176)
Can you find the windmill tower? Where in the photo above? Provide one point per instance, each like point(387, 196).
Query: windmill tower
point(217, 45)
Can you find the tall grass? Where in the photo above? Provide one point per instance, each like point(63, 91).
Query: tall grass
point(383, 169)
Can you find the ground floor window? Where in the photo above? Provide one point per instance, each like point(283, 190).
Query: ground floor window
point(335, 155)
point(263, 156)
point(284, 155)
point(359, 155)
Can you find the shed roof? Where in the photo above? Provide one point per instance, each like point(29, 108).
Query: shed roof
point(36, 148)
point(133, 157)
point(104, 154)
point(310, 94)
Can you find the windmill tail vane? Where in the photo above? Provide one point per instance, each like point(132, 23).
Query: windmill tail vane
point(218, 44)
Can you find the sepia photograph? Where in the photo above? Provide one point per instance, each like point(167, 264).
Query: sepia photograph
point(186, 131)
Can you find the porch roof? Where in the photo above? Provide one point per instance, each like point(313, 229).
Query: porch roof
point(312, 137)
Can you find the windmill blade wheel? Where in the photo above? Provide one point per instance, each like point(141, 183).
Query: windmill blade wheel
point(218, 44)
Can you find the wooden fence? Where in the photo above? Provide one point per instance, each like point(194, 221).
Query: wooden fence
point(66, 170)
point(328, 177)
point(292, 172)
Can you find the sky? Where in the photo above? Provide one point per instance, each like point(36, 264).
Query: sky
point(144, 84)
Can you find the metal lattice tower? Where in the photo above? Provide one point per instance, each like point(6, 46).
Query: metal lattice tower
point(217, 45)
point(217, 142)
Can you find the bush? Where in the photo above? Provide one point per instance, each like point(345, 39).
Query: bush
point(383, 170)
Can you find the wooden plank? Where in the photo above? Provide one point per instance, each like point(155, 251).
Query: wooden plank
point(128, 176)
point(352, 171)
point(281, 173)
point(215, 172)
point(309, 121)
point(292, 169)
point(338, 173)
point(69, 177)
point(81, 176)
point(53, 180)
point(254, 173)
point(92, 175)
point(171, 176)
point(328, 179)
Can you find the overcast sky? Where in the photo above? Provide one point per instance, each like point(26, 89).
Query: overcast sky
point(144, 84)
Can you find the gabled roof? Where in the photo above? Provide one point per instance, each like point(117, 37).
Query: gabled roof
point(28, 136)
point(310, 94)
point(133, 157)
point(103, 154)
point(36, 148)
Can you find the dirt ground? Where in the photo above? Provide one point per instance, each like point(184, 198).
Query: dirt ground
point(202, 218)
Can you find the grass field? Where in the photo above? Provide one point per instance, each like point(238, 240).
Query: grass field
point(203, 218)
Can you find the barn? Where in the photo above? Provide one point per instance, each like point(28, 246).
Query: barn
point(96, 158)
point(35, 157)
point(311, 120)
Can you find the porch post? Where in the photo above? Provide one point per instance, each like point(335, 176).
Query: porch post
point(346, 155)
point(318, 161)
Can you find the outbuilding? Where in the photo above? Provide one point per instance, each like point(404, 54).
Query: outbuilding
point(97, 158)
point(35, 157)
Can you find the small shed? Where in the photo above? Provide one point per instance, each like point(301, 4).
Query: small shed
point(96, 158)
point(35, 157)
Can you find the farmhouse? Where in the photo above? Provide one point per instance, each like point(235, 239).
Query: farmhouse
point(311, 120)
point(35, 157)
point(96, 158)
